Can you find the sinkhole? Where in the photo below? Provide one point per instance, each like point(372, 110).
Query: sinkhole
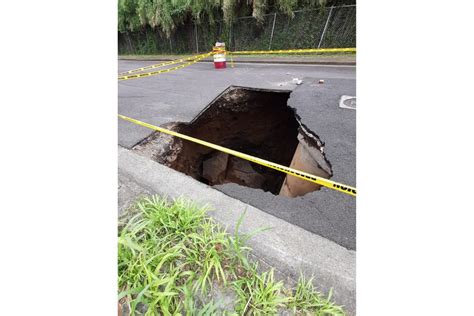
point(253, 121)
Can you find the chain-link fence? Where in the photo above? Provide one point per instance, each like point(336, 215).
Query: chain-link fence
point(317, 28)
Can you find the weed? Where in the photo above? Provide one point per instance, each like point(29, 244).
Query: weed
point(306, 300)
point(259, 294)
point(170, 255)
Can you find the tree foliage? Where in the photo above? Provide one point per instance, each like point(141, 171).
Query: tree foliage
point(166, 15)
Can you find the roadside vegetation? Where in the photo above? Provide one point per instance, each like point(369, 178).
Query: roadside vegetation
point(185, 26)
point(166, 15)
point(175, 260)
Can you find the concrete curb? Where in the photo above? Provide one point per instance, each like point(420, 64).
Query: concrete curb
point(288, 248)
point(266, 61)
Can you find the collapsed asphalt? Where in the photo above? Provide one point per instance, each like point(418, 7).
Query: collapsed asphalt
point(181, 95)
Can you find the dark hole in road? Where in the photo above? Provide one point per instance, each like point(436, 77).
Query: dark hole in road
point(252, 121)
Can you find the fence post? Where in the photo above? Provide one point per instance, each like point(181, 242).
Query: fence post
point(195, 33)
point(230, 34)
point(273, 28)
point(129, 42)
point(325, 27)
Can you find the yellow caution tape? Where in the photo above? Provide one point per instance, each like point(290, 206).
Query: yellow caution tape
point(295, 51)
point(167, 63)
point(296, 173)
point(153, 73)
point(217, 50)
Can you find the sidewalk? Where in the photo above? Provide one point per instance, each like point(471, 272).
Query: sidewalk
point(323, 59)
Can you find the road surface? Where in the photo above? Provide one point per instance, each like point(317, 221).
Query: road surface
point(180, 95)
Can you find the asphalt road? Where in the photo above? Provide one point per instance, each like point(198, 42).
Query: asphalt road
point(180, 95)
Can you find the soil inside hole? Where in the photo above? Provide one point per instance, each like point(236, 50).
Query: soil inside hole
point(253, 121)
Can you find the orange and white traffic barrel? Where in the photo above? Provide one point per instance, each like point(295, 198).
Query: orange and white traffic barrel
point(219, 57)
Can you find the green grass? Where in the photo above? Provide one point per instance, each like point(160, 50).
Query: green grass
point(172, 258)
point(306, 299)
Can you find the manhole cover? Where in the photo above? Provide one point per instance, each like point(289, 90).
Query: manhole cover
point(347, 102)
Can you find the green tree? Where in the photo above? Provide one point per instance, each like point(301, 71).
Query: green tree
point(166, 15)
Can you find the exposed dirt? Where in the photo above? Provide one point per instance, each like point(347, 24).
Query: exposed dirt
point(252, 121)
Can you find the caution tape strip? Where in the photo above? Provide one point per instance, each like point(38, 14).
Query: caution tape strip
point(167, 63)
point(296, 173)
point(194, 59)
point(153, 73)
point(295, 51)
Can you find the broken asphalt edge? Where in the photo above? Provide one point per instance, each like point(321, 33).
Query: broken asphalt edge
point(263, 61)
point(290, 249)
